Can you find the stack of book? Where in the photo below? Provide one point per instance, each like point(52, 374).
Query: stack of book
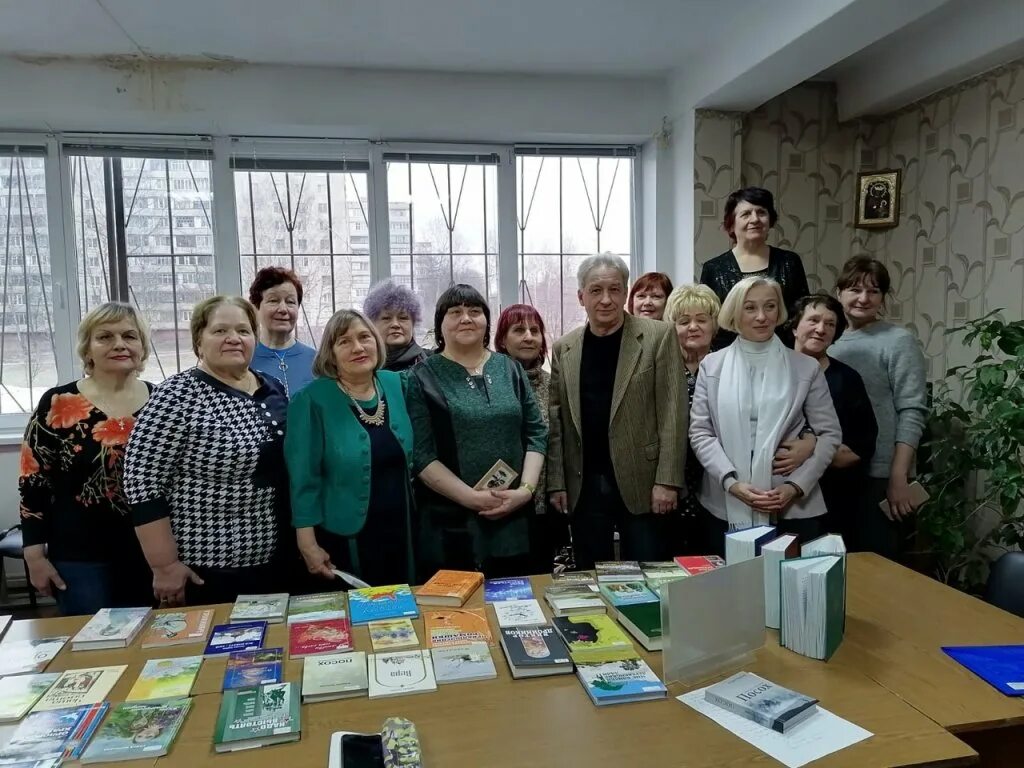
point(450, 589)
point(111, 628)
point(572, 599)
point(534, 651)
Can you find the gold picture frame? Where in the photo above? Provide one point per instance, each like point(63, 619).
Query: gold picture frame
point(878, 199)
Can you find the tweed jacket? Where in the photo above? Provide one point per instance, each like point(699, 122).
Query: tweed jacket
point(647, 432)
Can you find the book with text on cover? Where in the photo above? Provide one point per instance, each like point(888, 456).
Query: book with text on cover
point(399, 673)
point(534, 651)
point(761, 701)
point(309, 638)
point(166, 679)
point(620, 682)
point(258, 717)
point(80, 686)
point(571, 599)
point(497, 478)
point(463, 663)
point(519, 613)
point(19, 693)
point(132, 730)
point(658, 573)
point(178, 628)
point(618, 570)
point(110, 628)
point(270, 608)
point(456, 626)
point(394, 601)
point(324, 605)
point(619, 593)
point(228, 638)
point(247, 669)
point(390, 634)
point(59, 733)
point(514, 588)
point(20, 656)
point(334, 676)
point(450, 589)
point(694, 565)
point(594, 638)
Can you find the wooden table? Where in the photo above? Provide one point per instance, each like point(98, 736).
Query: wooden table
point(507, 723)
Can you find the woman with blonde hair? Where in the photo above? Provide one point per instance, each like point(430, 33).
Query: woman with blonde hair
point(80, 546)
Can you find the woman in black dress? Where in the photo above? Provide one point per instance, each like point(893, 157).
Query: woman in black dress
point(749, 215)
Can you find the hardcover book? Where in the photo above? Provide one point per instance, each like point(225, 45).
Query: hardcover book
point(643, 622)
point(456, 626)
point(166, 679)
point(111, 628)
point(620, 682)
point(516, 588)
point(829, 544)
point(761, 701)
point(463, 663)
point(573, 577)
point(449, 588)
point(619, 593)
point(336, 676)
point(20, 656)
point(374, 603)
point(269, 608)
point(326, 605)
point(773, 553)
point(812, 605)
point(745, 544)
point(519, 613)
point(389, 634)
point(618, 570)
point(400, 672)
point(258, 717)
point(310, 638)
point(228, 638)
point(594, 638)
point(138, 730)
point(247, 669)
point(534, 651)
point(59, 733)
point(178, 628)
point(697, 564)
point(19, 693)
point(1001, 666)
point(77, 687)
point(658, 573)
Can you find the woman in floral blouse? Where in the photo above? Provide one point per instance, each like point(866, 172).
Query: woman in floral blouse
point(80, 545)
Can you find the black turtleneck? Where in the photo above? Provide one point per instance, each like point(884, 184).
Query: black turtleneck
point(597, 381)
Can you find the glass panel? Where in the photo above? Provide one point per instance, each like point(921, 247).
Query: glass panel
point(28, 360)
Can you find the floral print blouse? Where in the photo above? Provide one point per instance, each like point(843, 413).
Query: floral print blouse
point(70, 479)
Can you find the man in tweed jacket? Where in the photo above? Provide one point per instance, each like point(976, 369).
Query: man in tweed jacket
point(618, 422)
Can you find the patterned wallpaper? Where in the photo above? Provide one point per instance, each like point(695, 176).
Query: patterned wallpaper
point(718, 147)
point(958, 251)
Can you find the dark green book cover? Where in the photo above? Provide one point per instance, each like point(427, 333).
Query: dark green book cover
point(644, 616)
point(268, 714)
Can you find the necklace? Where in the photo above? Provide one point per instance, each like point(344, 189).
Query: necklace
point(376, 419)
point(473, 371)
point(282, 366)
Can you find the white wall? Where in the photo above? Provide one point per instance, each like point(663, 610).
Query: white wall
point(8, 486)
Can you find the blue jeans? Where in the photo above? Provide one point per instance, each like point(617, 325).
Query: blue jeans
point(92, 585)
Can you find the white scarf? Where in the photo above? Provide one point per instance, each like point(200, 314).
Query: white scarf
point(740, 393)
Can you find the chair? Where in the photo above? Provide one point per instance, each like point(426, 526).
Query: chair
point(1005, 586)
point(12, 545)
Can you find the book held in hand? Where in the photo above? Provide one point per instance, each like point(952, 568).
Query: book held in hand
point(135, 730)
point(334, 676)
point(497, 478)
point(20, 656)
point(761, 701)
point(514, 588)
point(247, 669)
point(166, 678)
point(694, 565)
point(60, 733)
point(178, 628)
point(258, 717)
point(19, 693)
point(77, 687)
point(228, 638)
point(745, 544)
point(374, 603)
point(269, 608)
point(110, 628)
point(534, 651)
point(456, 626)
point(620, 682)
point(400, 673)
point(391, 634)
point(463, 663)
point(594, 638)
point(449, 588)
point(309, 638)
point(618, 570)
point(812, 605)
point(325, 605)
point(519, 613)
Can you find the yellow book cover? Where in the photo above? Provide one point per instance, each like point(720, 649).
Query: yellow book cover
point(78, 687)
point(449, 588)
point(166, 678)
point(456, 626)
point(594, 637)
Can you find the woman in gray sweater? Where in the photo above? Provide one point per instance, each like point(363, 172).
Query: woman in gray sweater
point(890, 361)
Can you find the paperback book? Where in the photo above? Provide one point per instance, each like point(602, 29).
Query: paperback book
point(463, 663)
point(78, 687)
point(519, 613)
point(310, 638)
point(745, 544)
point(694, 565)
point(620, 682)
point(456, 626)
point(1001, 666)
point(515, 588)
point(643, 622)
point(258, 717)
point(269, 608)
point(571, 599)
point(449, 588)
point(375, 603)
point(111, 628)
point(534, 651)
point(594, 638)
point(761, 701)
point(619, 593)
point(812, 605)
point(19, 693)
point(166, 679)
point(335, 676)
point(390, 634)
point(658, 573)
point(400, 672)
point(135, 730)
point(326, 605)
point(59, 733)
point(618, 570)
point(573, 577)
point(20, 656)
point(247, 669)
point(228, 638)
point(178, 628)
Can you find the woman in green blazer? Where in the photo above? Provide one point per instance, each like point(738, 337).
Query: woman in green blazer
point(349, 454)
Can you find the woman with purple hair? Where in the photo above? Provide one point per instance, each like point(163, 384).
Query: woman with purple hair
point(395, 311)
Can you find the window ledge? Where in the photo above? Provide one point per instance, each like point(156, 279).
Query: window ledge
point(11, 437)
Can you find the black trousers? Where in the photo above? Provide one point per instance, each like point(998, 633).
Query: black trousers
point(599, 512)
point(224, 585)
point(873, 531)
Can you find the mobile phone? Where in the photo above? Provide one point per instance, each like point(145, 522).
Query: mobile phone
point(918, 496)
point(362, 751)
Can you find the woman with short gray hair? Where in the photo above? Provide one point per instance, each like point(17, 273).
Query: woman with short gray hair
point(395, 310)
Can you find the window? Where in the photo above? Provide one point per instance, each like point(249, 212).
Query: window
point(569, 208)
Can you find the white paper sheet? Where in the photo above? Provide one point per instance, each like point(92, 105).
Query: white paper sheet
point(820, 734)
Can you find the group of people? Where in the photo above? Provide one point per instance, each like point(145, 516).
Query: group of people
point(271, 465)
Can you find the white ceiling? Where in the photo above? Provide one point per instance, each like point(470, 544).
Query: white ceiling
point(622, 37)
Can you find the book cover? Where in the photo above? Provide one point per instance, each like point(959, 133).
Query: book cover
point(697, 564)
point(620, 682)
point(519, 613)
point(228, 638)
point(745, 543)
point(325, 605)
point(497, 478)
point(463, 663)
point(449, 588)
point(138, 729)
point(1001, 666)
point(111, 628)
point(309, 638)
point(19, 693)
point(528, 647)
point(573, 577)
point(594, 637)
point(573, 598)
point(619, 593)
point(456, 626)
point(270, 608)
point(255, 717)
point(59, 733)
point(658, 573)
point(618, 570)
point(761, 701)
point(516, 588)
point(643, 621)
point(337, 675)
point(178, 628)
point(374, 603)
point(80, 686)
point(166, 679)
point(20, 656)
point(400, 672)
point(247, 669)
point(389, 634)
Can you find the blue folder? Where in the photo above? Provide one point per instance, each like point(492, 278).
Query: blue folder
point(1001, 666)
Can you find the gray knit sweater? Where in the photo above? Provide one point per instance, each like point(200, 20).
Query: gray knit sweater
point(891, 362)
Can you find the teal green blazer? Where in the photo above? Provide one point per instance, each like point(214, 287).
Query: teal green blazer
point(328, 454)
